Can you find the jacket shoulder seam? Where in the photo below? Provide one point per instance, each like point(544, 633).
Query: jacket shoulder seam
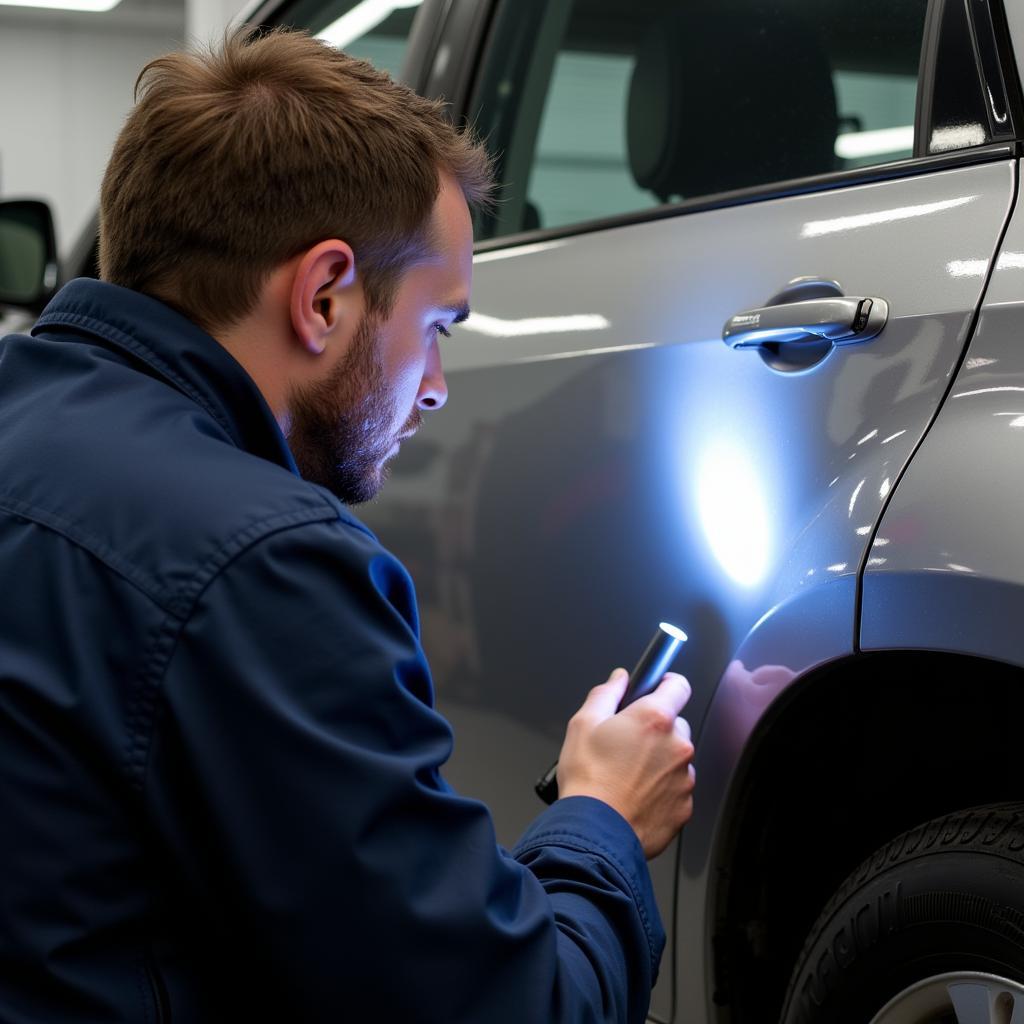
point(184, 601)
point(81, 538)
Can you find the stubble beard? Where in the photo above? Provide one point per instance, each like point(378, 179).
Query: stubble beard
point(340, 433)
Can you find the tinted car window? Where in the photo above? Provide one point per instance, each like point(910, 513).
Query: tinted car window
point(602, 107)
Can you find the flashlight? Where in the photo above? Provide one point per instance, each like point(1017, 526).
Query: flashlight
point(653, 664)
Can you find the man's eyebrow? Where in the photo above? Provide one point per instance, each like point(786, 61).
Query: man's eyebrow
point(459, 311)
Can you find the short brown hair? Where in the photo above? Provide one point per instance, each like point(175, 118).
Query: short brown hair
point(233, 162)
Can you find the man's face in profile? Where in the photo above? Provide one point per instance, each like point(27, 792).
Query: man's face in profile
point(342, 427)
point(346, 426)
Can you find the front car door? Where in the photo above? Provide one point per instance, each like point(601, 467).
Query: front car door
point(606, 461)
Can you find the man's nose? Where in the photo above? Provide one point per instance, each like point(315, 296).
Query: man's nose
point(433, 392)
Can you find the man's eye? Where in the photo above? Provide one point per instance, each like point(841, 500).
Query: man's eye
point(442, 330)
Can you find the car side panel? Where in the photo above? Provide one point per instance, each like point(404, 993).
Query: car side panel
point(605, 461)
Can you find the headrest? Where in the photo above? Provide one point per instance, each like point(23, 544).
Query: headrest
point(722, 100)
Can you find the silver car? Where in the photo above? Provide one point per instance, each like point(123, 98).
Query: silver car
point(747, 355)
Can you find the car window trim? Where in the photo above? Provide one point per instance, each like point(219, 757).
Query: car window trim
point(923, 112)
point(987, 44)
point(453, 67)
point(1007, 65)
point(908, 168)
point(427, 30)
point(989, 60)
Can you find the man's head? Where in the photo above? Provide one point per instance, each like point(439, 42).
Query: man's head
point(346, 420)
point(312, 215)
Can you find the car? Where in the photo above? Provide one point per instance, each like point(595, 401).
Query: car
point(745, 356)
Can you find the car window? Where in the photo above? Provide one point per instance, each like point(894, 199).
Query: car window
point(601, 107)
point(375, 30)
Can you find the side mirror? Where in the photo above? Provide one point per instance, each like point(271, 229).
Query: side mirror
point(28, 254)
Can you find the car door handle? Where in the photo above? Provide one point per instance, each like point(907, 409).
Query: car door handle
point(844, 320)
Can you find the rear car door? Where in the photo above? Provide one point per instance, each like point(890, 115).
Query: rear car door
point(606, 460)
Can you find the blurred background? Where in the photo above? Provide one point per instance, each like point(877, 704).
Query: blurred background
point(66, 79)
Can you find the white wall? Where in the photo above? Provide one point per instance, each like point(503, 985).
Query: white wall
point(66, 85)
point(65, 88)
point(205, 20)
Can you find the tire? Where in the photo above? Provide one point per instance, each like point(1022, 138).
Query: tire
point(931, 921)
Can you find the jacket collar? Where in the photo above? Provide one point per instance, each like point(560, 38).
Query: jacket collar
point(175, 350)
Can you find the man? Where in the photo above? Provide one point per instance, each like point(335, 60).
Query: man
point(219, 761)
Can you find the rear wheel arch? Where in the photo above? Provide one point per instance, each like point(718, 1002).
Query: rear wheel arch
point(852, 755)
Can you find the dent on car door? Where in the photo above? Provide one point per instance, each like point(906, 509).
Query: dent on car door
point(605, 460)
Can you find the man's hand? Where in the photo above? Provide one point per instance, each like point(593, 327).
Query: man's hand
point(637, 761)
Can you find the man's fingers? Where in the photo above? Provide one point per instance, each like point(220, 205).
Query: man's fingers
point(670, 695)
point(603, 701)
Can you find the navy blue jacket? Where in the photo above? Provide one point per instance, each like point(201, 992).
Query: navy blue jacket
point(219, 760)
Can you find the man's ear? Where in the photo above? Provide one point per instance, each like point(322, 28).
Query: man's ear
point(324, 294)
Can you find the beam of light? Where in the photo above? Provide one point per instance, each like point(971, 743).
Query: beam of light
point(361, 19)
point(852, 145)
point(733, 512)
point(892, 437)
point(496, 327)
point(815, 228)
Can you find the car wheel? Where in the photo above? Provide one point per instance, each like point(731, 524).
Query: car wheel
point(929, 930)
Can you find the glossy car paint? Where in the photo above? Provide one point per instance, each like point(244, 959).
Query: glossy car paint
point(605, 462)
point(953, 575)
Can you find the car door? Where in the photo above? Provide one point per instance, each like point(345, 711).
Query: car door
point(606, 461)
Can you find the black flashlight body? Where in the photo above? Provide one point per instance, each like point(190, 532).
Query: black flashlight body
point(653, 664)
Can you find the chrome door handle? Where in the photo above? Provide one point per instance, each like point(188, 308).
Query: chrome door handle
point(842, 320)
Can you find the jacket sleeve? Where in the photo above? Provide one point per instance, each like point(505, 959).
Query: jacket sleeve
point(294, 776)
